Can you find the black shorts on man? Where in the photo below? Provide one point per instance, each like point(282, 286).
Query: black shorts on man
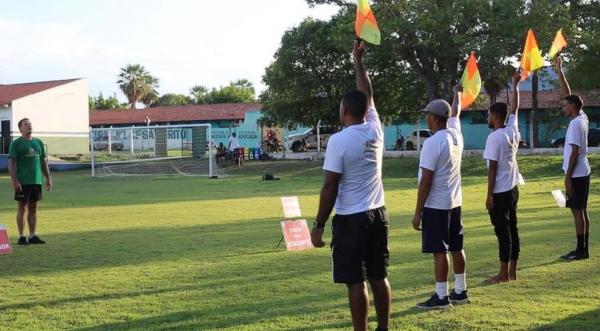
point(360, 246)
point(442, 230)
point(581, 190)
point(29, 193)
point(503, 216)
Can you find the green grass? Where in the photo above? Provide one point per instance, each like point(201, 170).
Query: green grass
point(199, 254)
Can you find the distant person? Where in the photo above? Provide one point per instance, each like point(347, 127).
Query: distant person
point(352, 183)
point(27, 163)
point(399, 143)
point(221, 153)
point(576, 166)
point(503, 178)
point(439, 201)
point(233, 144)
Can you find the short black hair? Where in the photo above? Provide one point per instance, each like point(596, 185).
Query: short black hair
point(356, 102)
point(21, 121)
point(499, 108)
point(575, 100)
point(440, 119)
point(233, 134)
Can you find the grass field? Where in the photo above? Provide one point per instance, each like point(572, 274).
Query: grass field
point(199, 254)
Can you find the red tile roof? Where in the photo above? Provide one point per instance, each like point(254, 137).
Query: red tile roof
point(173, 114)
point(547, 99)
point(11, 92)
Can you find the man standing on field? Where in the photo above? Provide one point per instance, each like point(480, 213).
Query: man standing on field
point(439, 201)
point(27, 162)
point(503, 177)
point(353, 163)
point(576, 166)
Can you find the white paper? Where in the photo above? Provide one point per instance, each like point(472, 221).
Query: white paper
point(521, 180)
point(291, 207)
point(561, 201)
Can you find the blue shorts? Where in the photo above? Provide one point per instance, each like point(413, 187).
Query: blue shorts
point(442, 230)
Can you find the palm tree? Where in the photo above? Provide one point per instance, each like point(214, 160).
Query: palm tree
point(137, 84)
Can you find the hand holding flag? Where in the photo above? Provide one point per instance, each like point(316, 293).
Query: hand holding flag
point(559, 43)
point(366, 25)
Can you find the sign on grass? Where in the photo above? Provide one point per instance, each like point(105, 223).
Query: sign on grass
point(291, 207)
point(296, 234)
point(5, 247)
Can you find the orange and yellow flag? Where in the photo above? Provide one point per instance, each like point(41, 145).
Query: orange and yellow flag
point(471, 82)
point(366, 25)
point(559, 43)
point(531, 59)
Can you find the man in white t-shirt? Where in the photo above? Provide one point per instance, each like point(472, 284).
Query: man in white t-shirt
point(353, 184)
point(503, 177)
point(233, 143)
point(439, 201)
point(576, 166)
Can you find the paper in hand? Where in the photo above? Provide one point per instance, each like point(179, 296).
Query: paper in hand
point(561, 201)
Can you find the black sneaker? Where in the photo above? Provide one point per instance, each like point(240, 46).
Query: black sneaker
point(577, 256)
point(22, 241)
point(569, 255)
point(435, 303)
point(459, 299)
point(36, 240)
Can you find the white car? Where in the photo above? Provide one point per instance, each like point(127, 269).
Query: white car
point(411, 142)
point(301, 142)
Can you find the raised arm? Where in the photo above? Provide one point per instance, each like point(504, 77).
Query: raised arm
point(363, 82)
point(456, 105)
point(516, 98)
point(564, 85)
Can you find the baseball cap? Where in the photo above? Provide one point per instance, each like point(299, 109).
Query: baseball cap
point(438, 107)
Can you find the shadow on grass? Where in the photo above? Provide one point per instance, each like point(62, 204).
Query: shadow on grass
point(583, 321)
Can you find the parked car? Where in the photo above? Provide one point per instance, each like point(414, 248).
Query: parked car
point(411, 142)
point(102, 145)
point(301, 142)
point(593, 139)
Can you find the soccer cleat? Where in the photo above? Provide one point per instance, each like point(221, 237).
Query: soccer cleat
point(459, 299)
point(22, 241)
point(576, 256)
point(435, 303)
point(36, 240)
point(569, 255)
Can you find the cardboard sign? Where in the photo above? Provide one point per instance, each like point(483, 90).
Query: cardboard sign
point(296, 235)
point(291, 207)
point(5, 247)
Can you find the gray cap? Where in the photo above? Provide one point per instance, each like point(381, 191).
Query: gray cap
point(438, 107)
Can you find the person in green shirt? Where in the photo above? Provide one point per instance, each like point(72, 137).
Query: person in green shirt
point(27, 163)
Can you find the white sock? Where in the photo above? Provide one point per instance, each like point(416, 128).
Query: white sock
point(460, 283)
point(31, 235)
point(441, 289)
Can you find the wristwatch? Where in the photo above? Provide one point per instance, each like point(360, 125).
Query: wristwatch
point(318, 225)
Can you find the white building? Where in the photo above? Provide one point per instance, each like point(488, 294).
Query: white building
point(58, 111)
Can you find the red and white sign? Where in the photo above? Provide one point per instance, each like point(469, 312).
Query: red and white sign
point(5, 247)
point(291, 207)
point(296, 234)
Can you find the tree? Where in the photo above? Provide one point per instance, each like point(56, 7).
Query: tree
point(101, 103)
point(137, 84)
point(584, 69)
point(240, 91)
point(173, 99)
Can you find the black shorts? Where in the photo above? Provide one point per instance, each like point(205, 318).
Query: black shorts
point(360, 246)
point(29, 193)
point(581, 190)
point(442, 230)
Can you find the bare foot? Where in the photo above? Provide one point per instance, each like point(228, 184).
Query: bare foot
point(496, 280)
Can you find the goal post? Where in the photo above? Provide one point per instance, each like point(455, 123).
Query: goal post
point(158, 150)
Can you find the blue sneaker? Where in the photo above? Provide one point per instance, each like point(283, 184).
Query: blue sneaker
point(435, 303)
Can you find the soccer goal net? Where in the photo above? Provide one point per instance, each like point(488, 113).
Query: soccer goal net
point(152, 150)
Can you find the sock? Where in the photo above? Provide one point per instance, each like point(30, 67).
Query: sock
point(441, 289)
point(31, 235)
point(586, 242)
point(460, 283)
point(580, 239)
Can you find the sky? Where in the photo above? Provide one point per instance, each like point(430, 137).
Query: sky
point(182, 42)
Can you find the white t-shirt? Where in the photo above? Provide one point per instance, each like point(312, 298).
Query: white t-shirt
point(442, 154)
point(233, 144)
point(357, 153)
point(577, 133)
point(502, 146)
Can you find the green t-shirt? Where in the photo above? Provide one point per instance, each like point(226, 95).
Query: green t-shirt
point(28, 155)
